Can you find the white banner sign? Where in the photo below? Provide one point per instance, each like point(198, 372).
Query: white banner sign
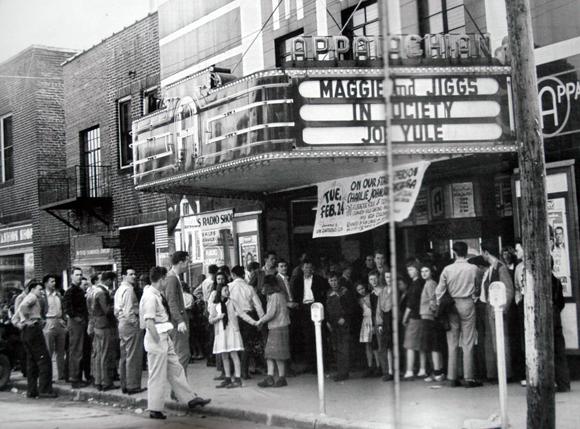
point(356, 204)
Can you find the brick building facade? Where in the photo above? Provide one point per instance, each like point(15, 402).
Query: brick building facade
point(112, 226)
point(32, 242)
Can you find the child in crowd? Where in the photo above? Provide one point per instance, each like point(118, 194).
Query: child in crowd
point(432, 334)
point(277, 317)
point(339, 312)
point(227, 339)
point(367, 330)
point(412, 322)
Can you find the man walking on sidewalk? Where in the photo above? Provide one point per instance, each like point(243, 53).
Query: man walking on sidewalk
point(174, 295)
point(103, 342)
point(127, 313)
point(55, 328)
point(458, 279)
point(163, 363)
point(39, 365)
point(75, 309)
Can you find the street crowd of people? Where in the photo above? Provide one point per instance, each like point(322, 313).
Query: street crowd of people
point(257, 320)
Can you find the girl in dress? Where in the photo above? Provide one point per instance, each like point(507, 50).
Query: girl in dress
point(277, 317)
point(433, 339)
point(367, 335)
point(227, 339)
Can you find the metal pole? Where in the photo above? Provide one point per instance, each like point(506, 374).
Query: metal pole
point(501, 369)
point(320, 368)
point(387, 90)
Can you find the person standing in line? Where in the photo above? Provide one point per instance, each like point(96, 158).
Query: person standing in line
point(39, 364)
point(104, 335)
point(269, 267)
point(339, 307)
point(459, 280)
point(227, 339)
point(206, 288)
point(497, 271)
point(278, 345)
point(89, 296)
point(249, 309)
point(174, 295)
point(162, 361)
point(381, 300)
point(55, 328)
point(130, 335)
point(412, 323)
point(75, 310)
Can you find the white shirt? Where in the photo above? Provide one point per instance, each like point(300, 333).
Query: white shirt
point(126, 305)
point(54, 305)
point(286, 285)
point(206, 287)
point(245, 299)
point(308, 295)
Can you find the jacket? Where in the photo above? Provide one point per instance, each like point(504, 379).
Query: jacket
point(319, 289)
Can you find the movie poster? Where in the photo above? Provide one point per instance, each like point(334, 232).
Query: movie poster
point(559, 244)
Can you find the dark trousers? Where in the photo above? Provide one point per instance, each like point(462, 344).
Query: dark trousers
point(560, 361)
point(38, 363)
point(249, 337)
point(517, 344)
point(341, 343)
point(306, 343)
point(103, 344)
point(76, 343)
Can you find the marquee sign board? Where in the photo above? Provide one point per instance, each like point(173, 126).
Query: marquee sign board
point(437, 109)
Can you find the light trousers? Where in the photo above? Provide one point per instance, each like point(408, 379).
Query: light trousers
point(131, 361)
point(462, 322)
point(55, 336)
point(164, 366)
point(103, 344)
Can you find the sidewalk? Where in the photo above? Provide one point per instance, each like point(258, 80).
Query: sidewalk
point(356, 403)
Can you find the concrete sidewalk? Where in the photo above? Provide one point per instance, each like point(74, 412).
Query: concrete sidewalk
point(356, 403)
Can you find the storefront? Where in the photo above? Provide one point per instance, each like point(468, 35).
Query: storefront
point(16, 258)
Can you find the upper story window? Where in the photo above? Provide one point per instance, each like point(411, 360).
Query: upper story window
point(441, 16)
point(125, 136)
point(151, 101)
point(91, 147)
point(7, 149)
point(283, 46)
point(362, 20)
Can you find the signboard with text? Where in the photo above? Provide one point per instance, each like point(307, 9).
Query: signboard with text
point(360, 203)
point(439, 110)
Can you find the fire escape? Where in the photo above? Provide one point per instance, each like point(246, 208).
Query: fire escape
point(67, 194)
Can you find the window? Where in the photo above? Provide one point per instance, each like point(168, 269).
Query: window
point(91, 145)
point(125, 138)
point(151, 101)
point(7, 149)
point(362, 21)
point(283, 46)
point(442, 16)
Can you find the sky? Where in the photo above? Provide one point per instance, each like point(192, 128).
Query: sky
point(73, 24)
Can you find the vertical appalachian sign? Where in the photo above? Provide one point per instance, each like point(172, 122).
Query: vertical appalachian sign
point(538, 296)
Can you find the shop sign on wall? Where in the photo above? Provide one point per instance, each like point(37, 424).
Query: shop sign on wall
point(427, 109)
point(355, 204)
point(16, 236)
point(463, 200)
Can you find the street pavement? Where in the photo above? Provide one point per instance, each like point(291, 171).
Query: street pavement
point(358, 403)
point(22, 413)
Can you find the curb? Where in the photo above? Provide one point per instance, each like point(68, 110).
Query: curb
point(284, 419)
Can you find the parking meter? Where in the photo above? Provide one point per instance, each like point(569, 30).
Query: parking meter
point(498, 300)
point(317, 316)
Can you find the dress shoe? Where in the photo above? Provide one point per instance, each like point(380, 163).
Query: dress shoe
point(281, 382)
point(124, 390)
point(78, 384)
point(158, 415)
point(220, 377)
point(237, 382)
point(227, 381)
point(198, 401)
point(472, 383)
point(32, 395)
point(108, 387)
point(267, 382)
point(135, 391)
point(48, 395)
point(452, 383)
point(388, 377)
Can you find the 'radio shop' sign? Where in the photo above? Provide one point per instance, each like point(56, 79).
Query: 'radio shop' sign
point(430, 109)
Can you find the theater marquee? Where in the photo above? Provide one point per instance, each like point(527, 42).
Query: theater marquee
point(451, 109)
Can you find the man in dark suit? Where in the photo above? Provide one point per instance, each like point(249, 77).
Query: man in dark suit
point(307, 289)
point(174, 295)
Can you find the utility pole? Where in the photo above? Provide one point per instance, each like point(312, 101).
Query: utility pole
point(387, 91)
point(538, 283)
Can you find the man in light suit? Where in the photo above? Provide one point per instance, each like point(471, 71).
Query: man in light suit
point(174, 295)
